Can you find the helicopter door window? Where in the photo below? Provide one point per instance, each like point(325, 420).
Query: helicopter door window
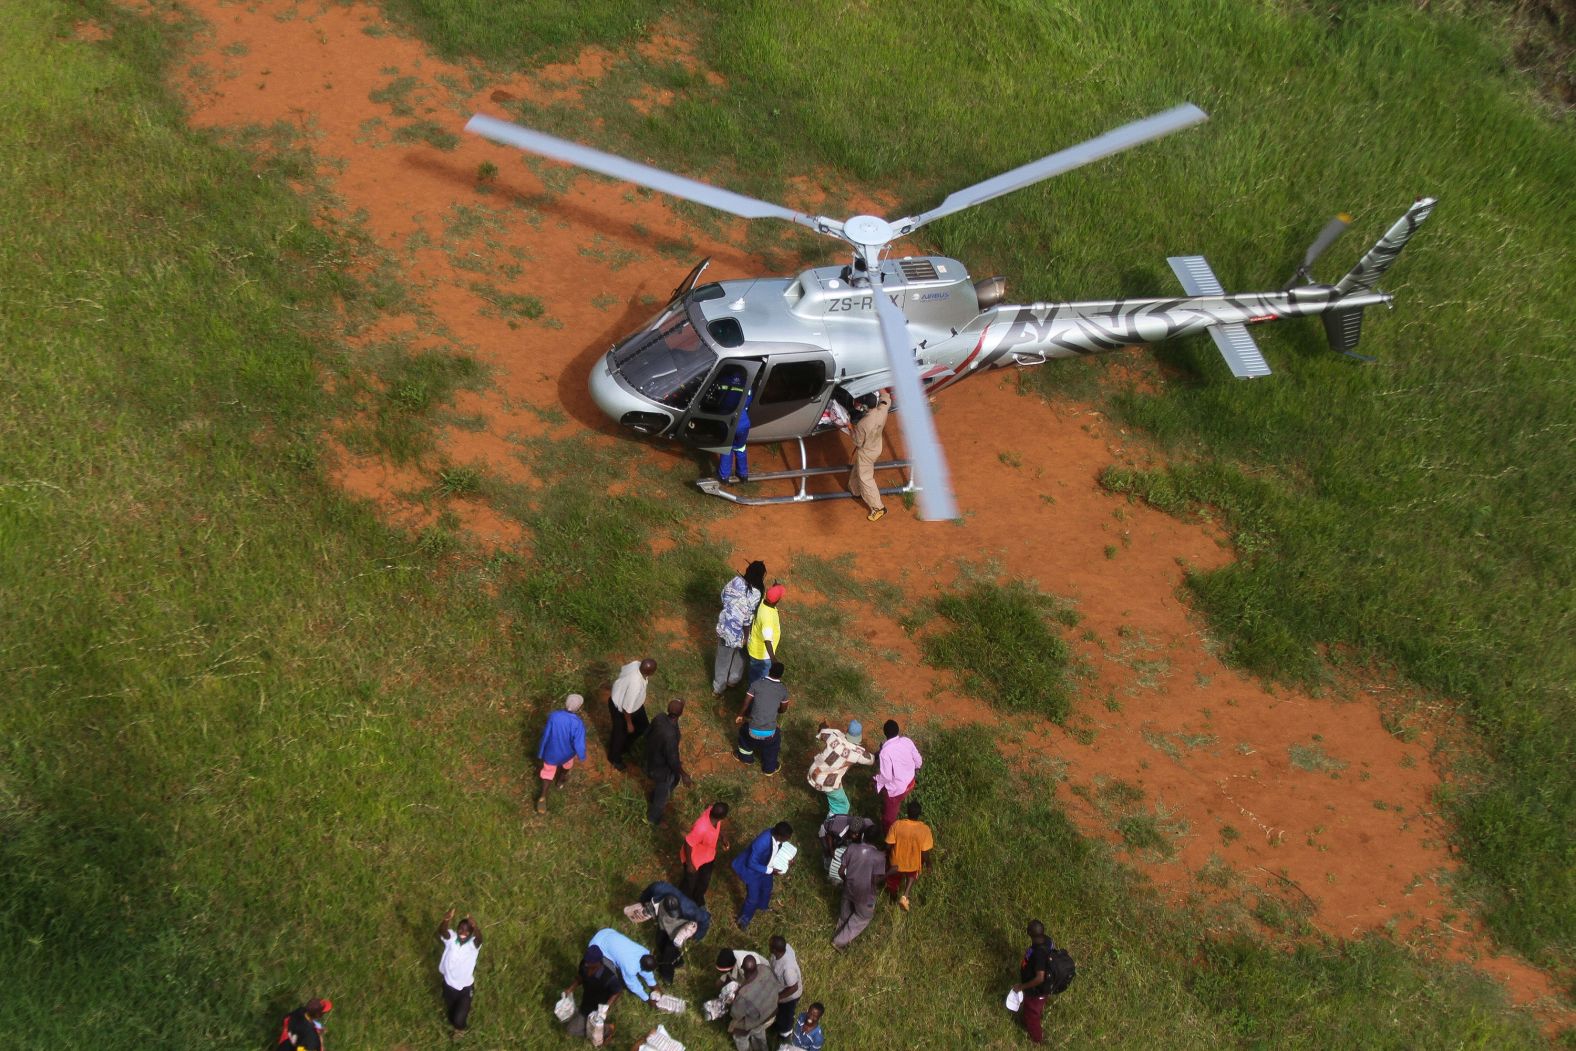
point(726, 391)
point(793, 381)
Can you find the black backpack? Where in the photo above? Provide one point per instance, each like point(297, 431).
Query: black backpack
point(1060, 970)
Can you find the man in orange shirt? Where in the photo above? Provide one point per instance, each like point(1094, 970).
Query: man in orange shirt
point(911, 843)
point(698, 852)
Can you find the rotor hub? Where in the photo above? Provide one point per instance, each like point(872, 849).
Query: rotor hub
point(869, 231)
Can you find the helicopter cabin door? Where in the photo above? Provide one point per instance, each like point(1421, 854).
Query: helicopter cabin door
point(714, 415)
point(791, 395)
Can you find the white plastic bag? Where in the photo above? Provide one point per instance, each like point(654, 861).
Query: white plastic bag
point(1014, 1000)
point(715, 1009)
point(564, 1009)
point(659, 1039)
point(669, 1003)
point(685, 933)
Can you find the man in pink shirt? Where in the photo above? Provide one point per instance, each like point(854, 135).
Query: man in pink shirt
point(897, 763)
point(698, 852)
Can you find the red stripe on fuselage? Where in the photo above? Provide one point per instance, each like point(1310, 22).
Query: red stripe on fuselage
point(963, 366)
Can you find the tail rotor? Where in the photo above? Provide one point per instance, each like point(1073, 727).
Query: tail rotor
point(1332, 230)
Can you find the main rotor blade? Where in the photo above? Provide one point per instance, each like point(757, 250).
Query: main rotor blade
point(632, 171)
point(919, 428)
point(1114, 141)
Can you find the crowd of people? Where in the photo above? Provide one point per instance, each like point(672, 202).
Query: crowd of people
point(861, 856)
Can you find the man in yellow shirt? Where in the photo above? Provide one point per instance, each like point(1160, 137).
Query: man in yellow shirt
point(766, 633)
point(911, 843)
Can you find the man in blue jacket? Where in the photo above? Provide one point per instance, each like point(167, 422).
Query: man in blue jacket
point(689, 908)
point(752, 867)
point(563, 743)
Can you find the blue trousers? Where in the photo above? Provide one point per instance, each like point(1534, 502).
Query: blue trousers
point(758, 667)
point(757, 891)
point(737, 454)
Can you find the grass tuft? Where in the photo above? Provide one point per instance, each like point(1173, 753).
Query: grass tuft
point(997, 639)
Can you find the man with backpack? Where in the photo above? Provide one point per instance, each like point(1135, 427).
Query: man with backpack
point(1044, 971)
point(303, 1027)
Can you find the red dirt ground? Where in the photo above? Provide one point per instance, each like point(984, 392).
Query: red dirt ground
point(1355, 840)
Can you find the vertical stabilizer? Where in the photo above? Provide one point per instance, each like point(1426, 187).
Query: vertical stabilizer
point(1377, 259)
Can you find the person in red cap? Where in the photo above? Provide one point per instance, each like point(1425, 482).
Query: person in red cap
point(303, 1027)
point(766, 634)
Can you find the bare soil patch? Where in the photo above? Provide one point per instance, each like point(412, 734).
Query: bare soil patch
point(1297, 797)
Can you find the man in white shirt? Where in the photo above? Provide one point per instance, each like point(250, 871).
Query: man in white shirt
point(730, 963)
point(626, 708)
point(458, 967)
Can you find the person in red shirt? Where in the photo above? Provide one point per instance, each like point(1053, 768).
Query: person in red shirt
point(698, 852)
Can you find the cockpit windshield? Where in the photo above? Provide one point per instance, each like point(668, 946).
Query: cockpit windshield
point(667, 364)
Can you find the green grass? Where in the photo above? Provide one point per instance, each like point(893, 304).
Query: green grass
point(255, 741)
point(428, 131)
point(398, 395)
point(998, 641)
point(509, 304)
point(1414, 512)
point(1312, 756)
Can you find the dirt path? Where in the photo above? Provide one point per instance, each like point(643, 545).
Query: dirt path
point(1262, 793)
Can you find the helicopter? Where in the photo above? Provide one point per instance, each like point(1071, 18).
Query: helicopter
point(803, 346)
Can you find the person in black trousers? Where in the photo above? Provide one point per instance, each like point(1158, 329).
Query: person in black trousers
point(663, 764)
point(458, 967)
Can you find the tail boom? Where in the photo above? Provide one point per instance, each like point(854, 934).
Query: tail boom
point(1023, 335)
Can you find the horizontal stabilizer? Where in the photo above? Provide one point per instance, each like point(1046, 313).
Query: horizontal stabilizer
point(1240, 351)
point(1232, 340)
point(1196, 276)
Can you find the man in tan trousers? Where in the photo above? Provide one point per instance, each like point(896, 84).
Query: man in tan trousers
point(867, 450)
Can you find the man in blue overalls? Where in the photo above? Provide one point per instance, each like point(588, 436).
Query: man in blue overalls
point(733, 393)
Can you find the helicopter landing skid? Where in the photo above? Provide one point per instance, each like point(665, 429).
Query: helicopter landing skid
point(712, 487)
